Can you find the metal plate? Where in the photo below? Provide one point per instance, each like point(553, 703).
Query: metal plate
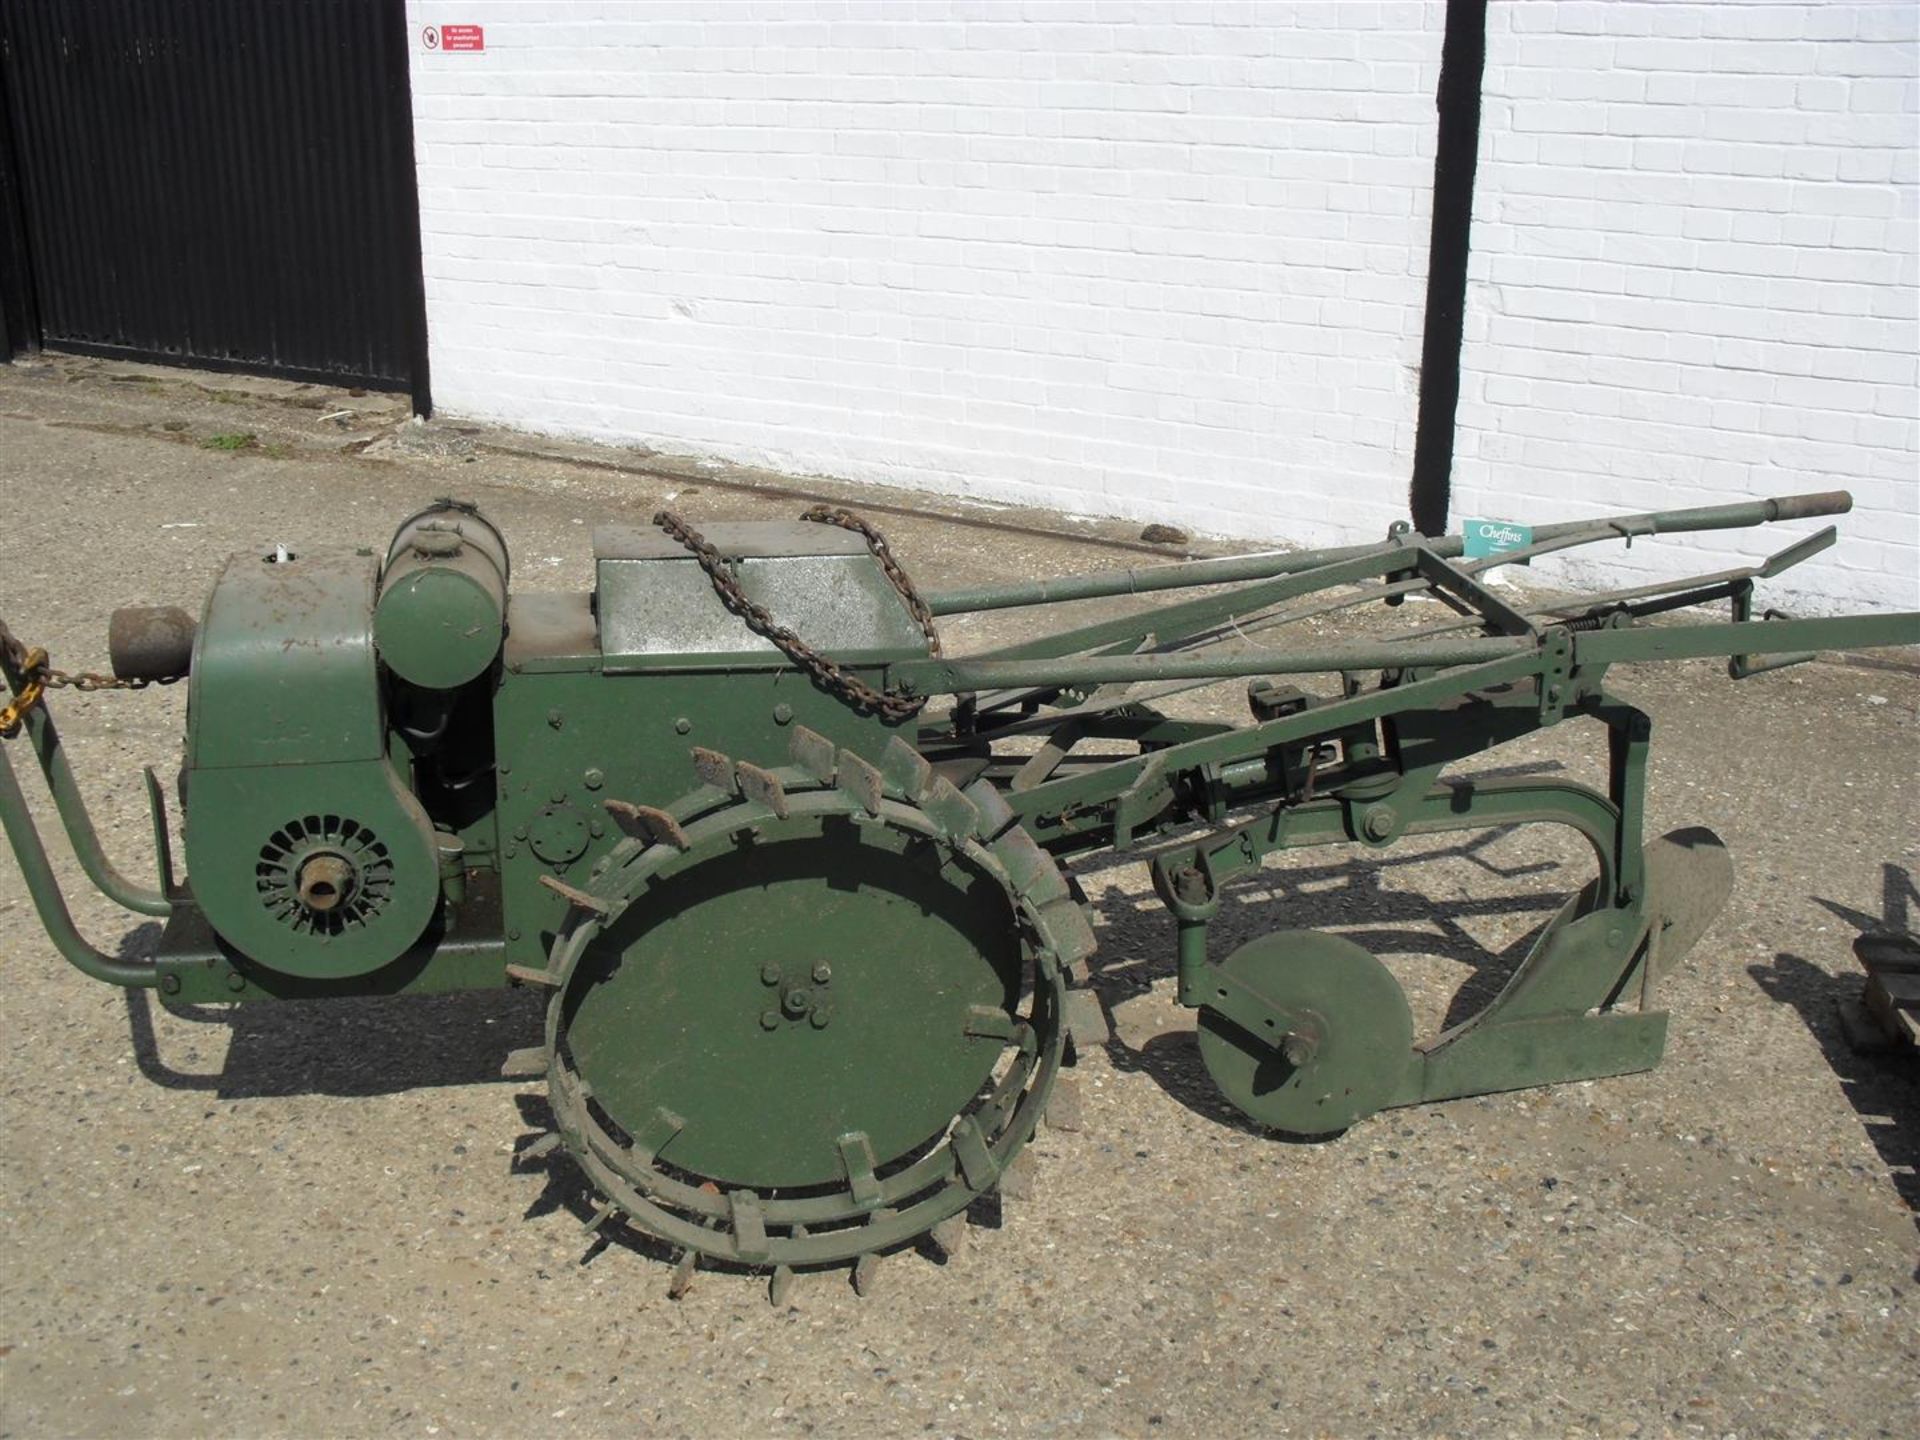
point(658, 610)
point(1349, 1001)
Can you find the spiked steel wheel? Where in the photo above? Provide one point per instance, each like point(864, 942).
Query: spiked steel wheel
point(833, 1022)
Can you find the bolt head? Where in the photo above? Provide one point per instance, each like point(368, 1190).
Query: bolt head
point(682, 725)
point(1190, 884)
point(1299, 1048)
point(769, 1019)
point(594, 779)
point(782, 714)
point(1379, 823)
point(822, 1014)
point(822, 972)
point(770, 973)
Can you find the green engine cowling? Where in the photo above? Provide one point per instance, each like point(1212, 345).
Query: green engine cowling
point(308, 852)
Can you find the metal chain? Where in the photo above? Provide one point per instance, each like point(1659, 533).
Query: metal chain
point(892, 705)
point(37, 676)
point(877, 543)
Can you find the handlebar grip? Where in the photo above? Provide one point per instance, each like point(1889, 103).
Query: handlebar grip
point(1806, 507)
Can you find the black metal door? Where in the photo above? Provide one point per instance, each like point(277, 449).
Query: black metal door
point(219, 183)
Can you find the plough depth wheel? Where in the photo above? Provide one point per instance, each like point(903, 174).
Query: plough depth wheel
point(822, 1033)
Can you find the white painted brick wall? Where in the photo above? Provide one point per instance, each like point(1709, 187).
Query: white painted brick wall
point(1166, 260)
point(1696, 276)
point(1161, 260)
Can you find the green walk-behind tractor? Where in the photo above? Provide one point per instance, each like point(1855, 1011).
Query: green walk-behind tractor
point(792, 876)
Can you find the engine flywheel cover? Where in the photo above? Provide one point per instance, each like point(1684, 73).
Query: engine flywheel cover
point(1354, 1029)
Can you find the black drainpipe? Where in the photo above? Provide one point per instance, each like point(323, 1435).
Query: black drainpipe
point(1463, 59)
point(19, 327)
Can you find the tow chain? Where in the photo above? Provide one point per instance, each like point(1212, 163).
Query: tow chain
point(883, 552)
point(37, 676)
point(894, 704)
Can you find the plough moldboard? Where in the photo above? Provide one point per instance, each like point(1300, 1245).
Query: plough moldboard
point(795, 879)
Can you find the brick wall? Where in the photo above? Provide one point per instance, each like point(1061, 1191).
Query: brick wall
point(1696, 255)
point(1160, 260)
point(1166, 260)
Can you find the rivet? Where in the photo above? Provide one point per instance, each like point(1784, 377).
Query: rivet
point(593, 779)
point(170, 984)
point(236, 981)
point(559, 794)
point(782, 713)
point(596, 829)
point(682, 725)
point(509, 851)
point(513, 934)
point(519, 832)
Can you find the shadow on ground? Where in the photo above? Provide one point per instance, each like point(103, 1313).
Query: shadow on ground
point(1884, 1088)
point(373, 1046)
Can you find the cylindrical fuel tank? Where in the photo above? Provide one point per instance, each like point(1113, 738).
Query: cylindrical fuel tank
point(443, 597)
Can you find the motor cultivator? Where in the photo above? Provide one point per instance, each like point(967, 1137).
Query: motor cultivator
point(793, 876)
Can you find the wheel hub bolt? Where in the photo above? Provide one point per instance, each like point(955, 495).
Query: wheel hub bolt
point(1379, 822)
point(1299, 1048)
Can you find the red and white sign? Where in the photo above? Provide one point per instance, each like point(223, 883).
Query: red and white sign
point(453, 37)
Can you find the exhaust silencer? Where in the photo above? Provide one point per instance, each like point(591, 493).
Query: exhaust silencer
point(150, 642)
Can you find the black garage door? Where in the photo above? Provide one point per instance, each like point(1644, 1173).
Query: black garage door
point(219, 183)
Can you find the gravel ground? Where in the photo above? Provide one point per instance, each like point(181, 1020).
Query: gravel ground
point(303, 1220)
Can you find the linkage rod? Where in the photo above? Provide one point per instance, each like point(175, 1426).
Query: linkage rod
point(946, 677)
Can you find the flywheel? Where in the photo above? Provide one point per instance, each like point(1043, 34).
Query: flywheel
point(809, 1013)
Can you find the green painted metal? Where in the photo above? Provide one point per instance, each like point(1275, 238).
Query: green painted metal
point(846, 1081)
point(48, 903)
point(442, 610)
point(1140, 580)
point(809, 967)
point(1305, 1031)
point(285, 669)
point(43, 736)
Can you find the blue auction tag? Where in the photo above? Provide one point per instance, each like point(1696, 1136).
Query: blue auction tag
point(1493, 537)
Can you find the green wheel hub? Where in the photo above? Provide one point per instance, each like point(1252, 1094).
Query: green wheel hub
point(1336, 1047)
point(811, 1025)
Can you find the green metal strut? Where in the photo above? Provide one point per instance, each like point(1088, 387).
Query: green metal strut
point(50, 903)
point(42, 734)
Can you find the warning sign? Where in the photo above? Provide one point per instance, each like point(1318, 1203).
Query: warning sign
point(453, 37)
